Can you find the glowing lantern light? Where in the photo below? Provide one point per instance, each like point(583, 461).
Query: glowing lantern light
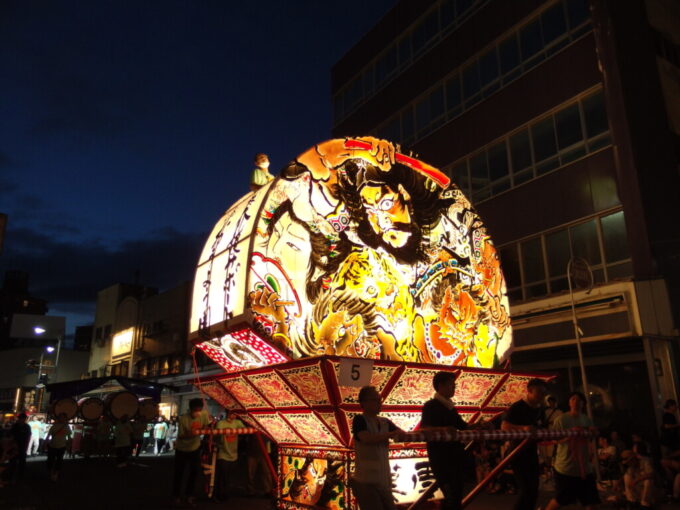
point(353, 251)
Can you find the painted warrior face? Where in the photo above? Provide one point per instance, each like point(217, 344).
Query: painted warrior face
point(388, 213)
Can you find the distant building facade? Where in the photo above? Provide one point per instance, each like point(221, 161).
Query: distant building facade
point(141, 333)
point(560, 120)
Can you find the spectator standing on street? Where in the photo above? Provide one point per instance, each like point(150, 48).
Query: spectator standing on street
point(574, 473)
point(21, 434)
point(44, 429)
point(527, 415)
point(372, 481)
point(34, 442)
point(188, 451)
point(103, 437)
point(448, 459)
point(122, 440)
point(160, 434)
point(227, 455)
point(57, 440)
point(172, 433)
point(138, 429)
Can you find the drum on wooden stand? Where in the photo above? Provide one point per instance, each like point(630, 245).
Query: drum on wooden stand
point(67, 406)
point(148, 410)
point(90, 408)
point(121, 403)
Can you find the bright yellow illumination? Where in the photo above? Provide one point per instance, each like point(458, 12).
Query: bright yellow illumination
point(122, 342)
point(356, 250)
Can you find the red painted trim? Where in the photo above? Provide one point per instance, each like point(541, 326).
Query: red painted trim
point(495, 390)
point(392, 382)
point(429, 171)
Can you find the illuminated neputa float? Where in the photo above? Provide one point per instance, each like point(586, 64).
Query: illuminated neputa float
point(358, 251)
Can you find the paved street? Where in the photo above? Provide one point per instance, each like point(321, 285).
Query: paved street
point(98, 484)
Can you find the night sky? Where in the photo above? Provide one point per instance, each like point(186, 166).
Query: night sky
point(128, 127)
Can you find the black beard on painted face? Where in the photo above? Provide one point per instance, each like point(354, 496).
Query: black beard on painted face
point(409, 253)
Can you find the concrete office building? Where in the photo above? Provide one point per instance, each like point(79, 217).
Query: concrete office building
point(560, 120)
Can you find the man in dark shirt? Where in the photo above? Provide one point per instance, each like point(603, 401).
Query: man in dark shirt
point(447, 458)
point(21, 433)
point(527, 414)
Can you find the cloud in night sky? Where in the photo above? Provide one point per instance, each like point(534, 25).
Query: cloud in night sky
point(71, 273)
point(129, 127)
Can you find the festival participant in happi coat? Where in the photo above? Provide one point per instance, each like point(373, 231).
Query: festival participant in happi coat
point(372, 480)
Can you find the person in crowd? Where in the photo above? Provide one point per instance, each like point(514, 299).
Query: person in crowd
point(527, 414)
point(606, 456)
point(574, 472)
point(44, 429)
point(138, 430)
point(188, 451)
point(172, 433)
point(448, 460)
point(610, 470)
point(149, 441)
point(103, 437)
point(122, 440)
point(552, 412)
point(638, 478)
point(21, 434)
point(547, 449)
point(160, 435)
point(638, 439)
point(618, 443)
point(58, 438)
point(372, 481)
point(227, 455)
point(34, 442)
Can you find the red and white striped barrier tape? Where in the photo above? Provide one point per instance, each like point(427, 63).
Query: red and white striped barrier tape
point(448, 434)
point(224, 432)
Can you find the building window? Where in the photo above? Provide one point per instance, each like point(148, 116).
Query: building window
point(546, 144)
point(504, 62)
point(538, 266)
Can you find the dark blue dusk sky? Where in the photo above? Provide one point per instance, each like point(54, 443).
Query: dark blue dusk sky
point(128, 127)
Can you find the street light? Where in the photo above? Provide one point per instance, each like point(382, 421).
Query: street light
point(39, 330)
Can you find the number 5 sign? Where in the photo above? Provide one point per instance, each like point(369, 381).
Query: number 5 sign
point(355, 372)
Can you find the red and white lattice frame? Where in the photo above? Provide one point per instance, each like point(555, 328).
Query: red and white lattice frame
point(292, 400)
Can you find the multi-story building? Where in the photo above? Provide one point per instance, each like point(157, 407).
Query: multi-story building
point(560, 120)
point(32, 347)
point(141, 333)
